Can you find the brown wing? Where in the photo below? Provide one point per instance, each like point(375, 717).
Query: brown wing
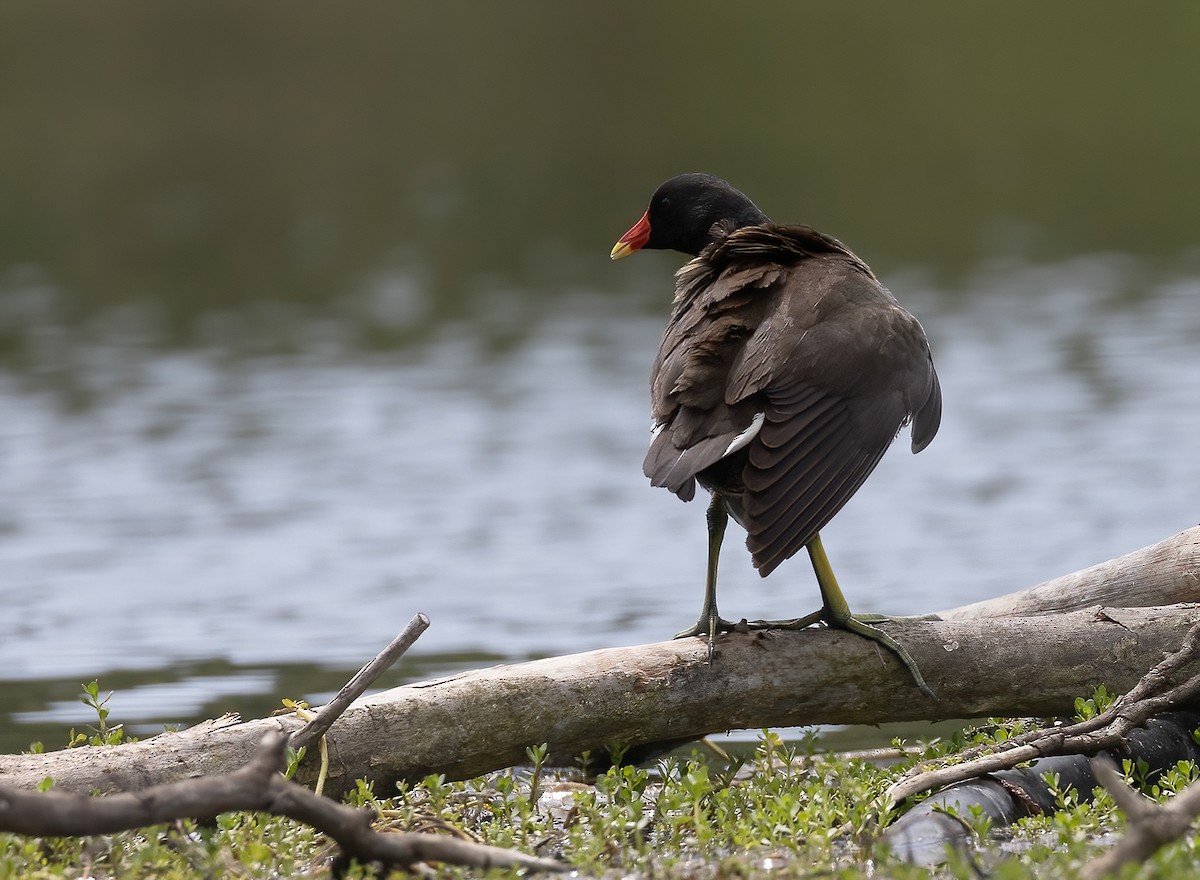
point(694, 422)
point(837, 394)
point(788, 323)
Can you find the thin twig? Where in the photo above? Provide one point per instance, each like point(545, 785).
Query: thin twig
point(363, 679)
point(1151, 826)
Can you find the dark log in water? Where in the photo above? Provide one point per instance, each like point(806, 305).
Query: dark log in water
point(939, 822)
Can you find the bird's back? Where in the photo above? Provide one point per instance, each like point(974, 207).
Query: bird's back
point(783, 376)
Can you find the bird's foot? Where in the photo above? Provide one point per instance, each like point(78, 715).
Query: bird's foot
point(858, 624)
point(709, 625)
point(859, 627)
point(885, 618)
point(795, 623)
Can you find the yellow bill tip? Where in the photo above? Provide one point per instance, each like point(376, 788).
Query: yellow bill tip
point(633, 240)
point(620, 249)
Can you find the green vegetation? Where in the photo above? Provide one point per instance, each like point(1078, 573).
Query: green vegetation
point(785, 808)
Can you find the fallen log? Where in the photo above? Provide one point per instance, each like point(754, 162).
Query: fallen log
point(484, 720)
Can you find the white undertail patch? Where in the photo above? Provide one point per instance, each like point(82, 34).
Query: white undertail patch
point(746, 436)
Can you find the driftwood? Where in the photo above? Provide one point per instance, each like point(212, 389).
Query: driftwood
point(259, 787)
point(484, 720)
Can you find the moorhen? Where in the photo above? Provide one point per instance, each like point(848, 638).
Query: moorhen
point(784, 374)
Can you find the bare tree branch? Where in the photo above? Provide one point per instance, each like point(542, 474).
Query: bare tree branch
point(358, 685)
point(255, 787)
point(1151, 826)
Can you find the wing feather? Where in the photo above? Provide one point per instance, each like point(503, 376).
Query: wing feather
point(785, 322)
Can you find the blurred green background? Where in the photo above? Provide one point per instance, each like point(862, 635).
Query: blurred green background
point(211, 156)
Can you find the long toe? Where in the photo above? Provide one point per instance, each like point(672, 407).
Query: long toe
point(858, 627)
point(894, 618)
point(795, 623)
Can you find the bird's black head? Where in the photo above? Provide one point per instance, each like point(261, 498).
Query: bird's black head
point(683, 213)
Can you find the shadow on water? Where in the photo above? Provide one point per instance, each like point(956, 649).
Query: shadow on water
point(306, 328)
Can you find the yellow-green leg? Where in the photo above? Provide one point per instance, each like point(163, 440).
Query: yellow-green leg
point(710, 622)
point(836, 613)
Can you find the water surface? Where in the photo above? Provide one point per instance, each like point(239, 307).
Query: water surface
point(266, 513)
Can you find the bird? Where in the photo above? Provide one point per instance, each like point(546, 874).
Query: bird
point(785, 372)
